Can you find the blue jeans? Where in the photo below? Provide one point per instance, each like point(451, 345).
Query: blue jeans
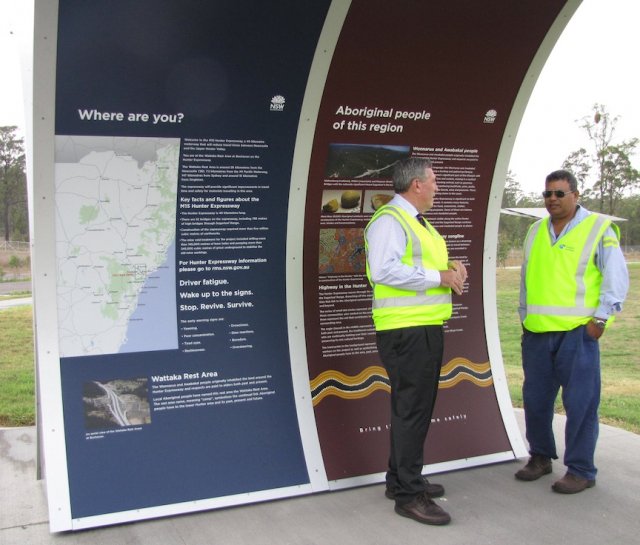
point(571, 360)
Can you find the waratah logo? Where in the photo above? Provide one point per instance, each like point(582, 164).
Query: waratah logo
point(277, 103)
point(490, 116)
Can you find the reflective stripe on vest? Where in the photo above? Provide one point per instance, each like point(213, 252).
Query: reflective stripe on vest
point(542, 318)
point(416, 300)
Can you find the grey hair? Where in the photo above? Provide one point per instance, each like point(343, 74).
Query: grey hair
point(558, 175)
point(409, 169)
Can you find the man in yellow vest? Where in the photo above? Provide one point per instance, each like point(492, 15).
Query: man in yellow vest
point(412, 279)
point(574, 279)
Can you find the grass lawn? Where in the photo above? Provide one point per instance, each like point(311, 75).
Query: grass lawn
point(619, 351)
point(17, 398)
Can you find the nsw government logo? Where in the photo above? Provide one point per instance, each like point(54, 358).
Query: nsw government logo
point(490, 116)
point(277, 103)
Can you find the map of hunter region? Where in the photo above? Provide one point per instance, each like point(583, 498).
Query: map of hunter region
point(341, 251)
point(115, 243)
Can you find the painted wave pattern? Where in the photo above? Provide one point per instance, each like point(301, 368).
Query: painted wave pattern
point(374, 378)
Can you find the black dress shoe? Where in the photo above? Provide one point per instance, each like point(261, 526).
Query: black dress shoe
point(424, 510)
point(536, 467)
point(433, 490)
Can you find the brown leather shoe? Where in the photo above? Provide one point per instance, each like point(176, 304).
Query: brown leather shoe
point(424, 510)
point(572, 484)
point(536, 467)
point(433, 490)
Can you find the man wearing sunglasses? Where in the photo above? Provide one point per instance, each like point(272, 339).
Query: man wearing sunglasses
point(574, 279)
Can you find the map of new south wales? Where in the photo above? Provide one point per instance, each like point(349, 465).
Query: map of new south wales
point(115, 225)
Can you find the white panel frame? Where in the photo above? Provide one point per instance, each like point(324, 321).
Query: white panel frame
point(295, 243)
point(45, 318)
point(493, 218)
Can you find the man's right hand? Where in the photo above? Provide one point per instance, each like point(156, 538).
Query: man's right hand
point(453, 279)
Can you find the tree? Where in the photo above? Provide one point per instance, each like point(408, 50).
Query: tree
point(512, 229)
point(630, 210)
point(512, 191)
point(13, 187)
point(617, 175)
point(580, 164)
point(612, 164)
point(14, 262)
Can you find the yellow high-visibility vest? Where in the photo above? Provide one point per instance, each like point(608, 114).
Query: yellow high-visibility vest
point(562, 281)
point(394, 308)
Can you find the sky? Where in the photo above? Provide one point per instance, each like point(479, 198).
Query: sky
point(15, 27)
point(594, 61)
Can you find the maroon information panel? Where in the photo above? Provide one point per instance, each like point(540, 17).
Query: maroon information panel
point(421, 79)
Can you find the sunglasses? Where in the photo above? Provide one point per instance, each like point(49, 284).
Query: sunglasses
point(557, 192)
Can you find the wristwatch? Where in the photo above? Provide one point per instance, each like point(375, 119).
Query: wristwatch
point(599, 323)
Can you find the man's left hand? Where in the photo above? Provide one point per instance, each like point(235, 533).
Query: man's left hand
point(594, 331)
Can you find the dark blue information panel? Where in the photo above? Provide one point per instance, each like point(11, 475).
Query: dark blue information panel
point(175, 127)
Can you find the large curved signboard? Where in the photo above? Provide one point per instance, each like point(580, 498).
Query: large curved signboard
point(203, 172)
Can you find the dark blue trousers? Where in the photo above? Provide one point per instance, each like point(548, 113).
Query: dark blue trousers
point(571, 360)
point(412, 358)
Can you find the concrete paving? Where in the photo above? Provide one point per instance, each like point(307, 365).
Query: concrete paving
point(16, 302)
point(487, 504)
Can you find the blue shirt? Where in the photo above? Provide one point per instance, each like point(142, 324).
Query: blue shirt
point(608, 259)
point(386, 242)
